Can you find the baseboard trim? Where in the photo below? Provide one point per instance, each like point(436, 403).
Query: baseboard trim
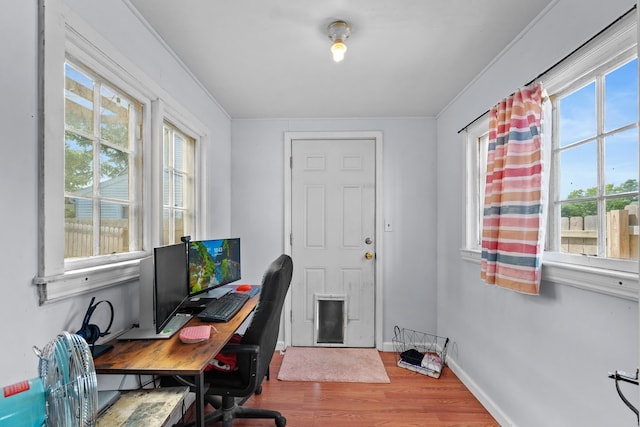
point(488, 403)
point(491, 407)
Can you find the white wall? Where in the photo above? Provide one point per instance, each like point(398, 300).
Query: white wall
point(540, 361)
point(543, 360)
point(25, 323)
point(409, 188)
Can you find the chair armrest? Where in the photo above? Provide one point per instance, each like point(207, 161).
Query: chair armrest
point(229, 348)
point(249, 376)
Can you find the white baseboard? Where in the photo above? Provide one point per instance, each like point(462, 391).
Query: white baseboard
point(474, 388)
point(479, 393)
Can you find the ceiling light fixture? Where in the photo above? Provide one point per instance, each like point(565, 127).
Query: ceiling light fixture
point(339, 31)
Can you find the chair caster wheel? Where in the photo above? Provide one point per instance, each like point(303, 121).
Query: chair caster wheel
point(281, 421)
point(258, 390)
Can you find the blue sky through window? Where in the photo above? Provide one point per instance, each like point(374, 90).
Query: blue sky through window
point(578, 123)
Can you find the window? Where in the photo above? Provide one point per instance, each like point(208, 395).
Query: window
point(595, 147)
point(101, 197)
point(592, 237)
point(477, 142)
point(102, 173)
point(178, 184)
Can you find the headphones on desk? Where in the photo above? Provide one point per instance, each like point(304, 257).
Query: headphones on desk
point(91, 332)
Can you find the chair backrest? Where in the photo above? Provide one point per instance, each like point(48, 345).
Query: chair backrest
point(265, 324)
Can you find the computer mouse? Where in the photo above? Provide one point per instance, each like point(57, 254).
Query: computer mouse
point(243, 288)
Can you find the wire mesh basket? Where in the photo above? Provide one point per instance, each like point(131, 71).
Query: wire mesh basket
point(420, 352)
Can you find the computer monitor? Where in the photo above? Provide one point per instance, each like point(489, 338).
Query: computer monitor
point(213, 263)
point(171, 282)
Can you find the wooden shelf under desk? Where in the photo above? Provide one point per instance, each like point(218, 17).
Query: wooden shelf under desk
point(149, 408)
point(170, 356)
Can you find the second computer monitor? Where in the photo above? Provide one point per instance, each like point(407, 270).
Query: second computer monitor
point(213, 263)
point(170, 282)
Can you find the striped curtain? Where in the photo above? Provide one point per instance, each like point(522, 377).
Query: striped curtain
point(513, 228)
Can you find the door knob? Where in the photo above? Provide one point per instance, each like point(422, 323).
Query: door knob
point(368, 255)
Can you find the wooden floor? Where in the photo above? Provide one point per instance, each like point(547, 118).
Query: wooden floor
point(410, 399)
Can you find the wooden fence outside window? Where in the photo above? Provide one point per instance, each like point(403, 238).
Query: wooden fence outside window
point(78, 233)
point(579, 235)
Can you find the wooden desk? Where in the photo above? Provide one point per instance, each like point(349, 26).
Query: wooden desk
point(171, 356)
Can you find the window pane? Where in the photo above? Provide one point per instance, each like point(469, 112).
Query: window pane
point(627, 203)
point(114, 228)
point(78, 227)
point(179, 225)
point(178, 192)
point(78, 164)
point(166, 141)
point(579, 228)
point(621, 96)
point(622, 220)
point(166, 221)
point(114, 118)
point(178, 151)
point(481, 167)
point(621, 160)
point(114, 173)
point(578, 170)
point(165, 188)
point(78, 102)
point(578, 115)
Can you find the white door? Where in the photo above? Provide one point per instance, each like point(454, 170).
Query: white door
point(333, 231)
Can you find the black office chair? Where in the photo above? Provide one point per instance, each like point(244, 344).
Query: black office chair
point(228, 391)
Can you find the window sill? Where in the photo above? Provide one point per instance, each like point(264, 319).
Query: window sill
point(615, 283)
point(81, 281)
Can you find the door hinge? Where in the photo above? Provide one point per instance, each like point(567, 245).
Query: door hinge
point(290, 239)
point(290, 162)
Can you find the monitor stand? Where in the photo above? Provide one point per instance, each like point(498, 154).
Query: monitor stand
point(197, 303)
point(214, 293)
point(98, 349)
point(218, 292)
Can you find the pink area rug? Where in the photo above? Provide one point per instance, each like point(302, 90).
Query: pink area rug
point(324, 364)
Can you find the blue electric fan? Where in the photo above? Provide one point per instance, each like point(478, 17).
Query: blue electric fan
point(65, 394)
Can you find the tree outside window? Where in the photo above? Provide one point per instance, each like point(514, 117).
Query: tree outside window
point(101, 124)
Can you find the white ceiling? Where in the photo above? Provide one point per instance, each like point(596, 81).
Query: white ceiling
point(271, 59)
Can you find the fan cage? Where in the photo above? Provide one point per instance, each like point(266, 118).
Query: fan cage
point(70, 383)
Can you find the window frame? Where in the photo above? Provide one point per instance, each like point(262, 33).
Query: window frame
point(188, 209)
point(476, 168)
point(164, 111)
point(65, 33)
point(607, 276)
point(553, 245)
point(136, 178)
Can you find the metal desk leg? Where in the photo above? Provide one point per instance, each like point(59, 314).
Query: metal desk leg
point(199, 382)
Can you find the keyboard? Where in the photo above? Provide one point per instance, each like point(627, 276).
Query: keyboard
point(223, 308)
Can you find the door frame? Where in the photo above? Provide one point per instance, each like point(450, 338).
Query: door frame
point(289, 138)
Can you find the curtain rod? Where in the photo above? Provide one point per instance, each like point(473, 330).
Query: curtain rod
point(560, 61)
